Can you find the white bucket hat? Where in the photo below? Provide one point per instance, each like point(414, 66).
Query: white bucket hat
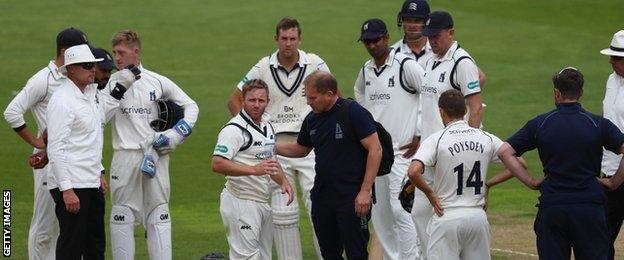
point(78, 54)
point(617, 45)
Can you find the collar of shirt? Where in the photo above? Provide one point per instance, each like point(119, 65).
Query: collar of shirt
point(569, 107)
point(303, 59)
point(265, 118)
point(55, 71)
point(456, 123)
point(88, 91)
point(449, 54)
point(389, 60)
point(405, 49)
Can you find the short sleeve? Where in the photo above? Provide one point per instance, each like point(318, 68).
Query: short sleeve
point(496, 144)
point(304, 133)
point(467, 75)
point(524, 140)
point(413, 75)
point(231, 139)
point(612, 137)
point(361, 121)
point(427, 151)
point(254, 73)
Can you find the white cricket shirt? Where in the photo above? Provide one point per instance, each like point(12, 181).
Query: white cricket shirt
point(613, 109)
point(438, 79)
point(391, 95)
point(75, 137)
point(288, 105)
point(248, 147)
point(35, 97)
point(460, 156)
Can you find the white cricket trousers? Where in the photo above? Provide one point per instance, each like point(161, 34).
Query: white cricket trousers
point(460, 233)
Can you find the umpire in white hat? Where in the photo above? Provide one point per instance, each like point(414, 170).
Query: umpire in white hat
point(76, 182)
point(613, 109)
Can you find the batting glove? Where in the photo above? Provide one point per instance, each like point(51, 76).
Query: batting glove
point(168, 140)
point(124, 80)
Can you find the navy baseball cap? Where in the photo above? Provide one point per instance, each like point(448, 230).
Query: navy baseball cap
point(107, 62)
point(373, 29)
point(71, 37)
point(438, 21)
point(415, 9)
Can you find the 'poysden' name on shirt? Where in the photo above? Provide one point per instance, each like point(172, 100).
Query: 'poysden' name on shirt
point(459, 147)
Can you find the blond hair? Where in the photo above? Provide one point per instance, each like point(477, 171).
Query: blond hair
point(128, 37)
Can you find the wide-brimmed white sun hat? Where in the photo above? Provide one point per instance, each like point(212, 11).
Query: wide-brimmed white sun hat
point(617, 45)
point(78, 54)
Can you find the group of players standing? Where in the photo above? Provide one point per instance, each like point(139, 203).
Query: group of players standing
point(424, 87)
point(424, 90)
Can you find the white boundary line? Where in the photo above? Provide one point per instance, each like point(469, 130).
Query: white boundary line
point(514, 252)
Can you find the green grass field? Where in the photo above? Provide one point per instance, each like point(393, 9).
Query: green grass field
point(206, 47)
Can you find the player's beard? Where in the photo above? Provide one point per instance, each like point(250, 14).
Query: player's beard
point(101, 83)
point(413, 36)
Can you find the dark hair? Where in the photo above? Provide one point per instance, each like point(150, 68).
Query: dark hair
point(569, 81)
point(128, 37)
point(453, 103)
point(254, 84)
point(322, 81)
point(287, 23)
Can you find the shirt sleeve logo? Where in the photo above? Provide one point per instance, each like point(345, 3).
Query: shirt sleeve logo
point(473, 85)
point(221, 149)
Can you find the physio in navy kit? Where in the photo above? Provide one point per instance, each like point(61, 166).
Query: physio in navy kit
point(569, 140)
point(345, 167)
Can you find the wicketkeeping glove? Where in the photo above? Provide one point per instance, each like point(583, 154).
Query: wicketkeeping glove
point(150, 157)
point(124, 80)
point(407, 196)
point(168, 140)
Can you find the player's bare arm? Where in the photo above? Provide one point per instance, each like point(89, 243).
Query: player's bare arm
point(292, 150)
point(229, 168)
point(235, 104)
point(363, 199)
point(507, 154)
point(482, 77)
point(475, 110)
point(28, 136)
point(616, 180)
point(280, 178)
point(414, 173)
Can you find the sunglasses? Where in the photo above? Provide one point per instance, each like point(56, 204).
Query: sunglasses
point(86, 65)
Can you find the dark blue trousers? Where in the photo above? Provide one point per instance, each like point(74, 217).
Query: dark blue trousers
point(583, 227)
point(615, 215)
point(339, 229)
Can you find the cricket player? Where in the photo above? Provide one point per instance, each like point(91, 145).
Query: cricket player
point(388, 87)
point(139, 198)
point(34, 97)
point(104, 68)
point(245, 154)
point(450, 68)
point(460, 156)
point(284, 71)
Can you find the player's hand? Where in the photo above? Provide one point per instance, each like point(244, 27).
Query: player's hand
point(72, 203)
point(435, 203)
point(606, 183)
point(411, 147)
point(126, 77)
point(363, 203)
point(287, 189)
point(168, 140)
point(535, 183)
point(38, 160)
point(103, 184)
point(269, 166)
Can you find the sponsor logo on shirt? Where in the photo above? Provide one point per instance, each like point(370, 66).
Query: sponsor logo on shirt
point(221, 148)
point(246, 227)
point(136, 111)
point(429, 90)
point(473, 85)
point(379, 96)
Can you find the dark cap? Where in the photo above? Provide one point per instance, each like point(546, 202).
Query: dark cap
point(71, 37)
point(438, 21)
point(373, 29)
point(415, 9)
point(107, 62)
